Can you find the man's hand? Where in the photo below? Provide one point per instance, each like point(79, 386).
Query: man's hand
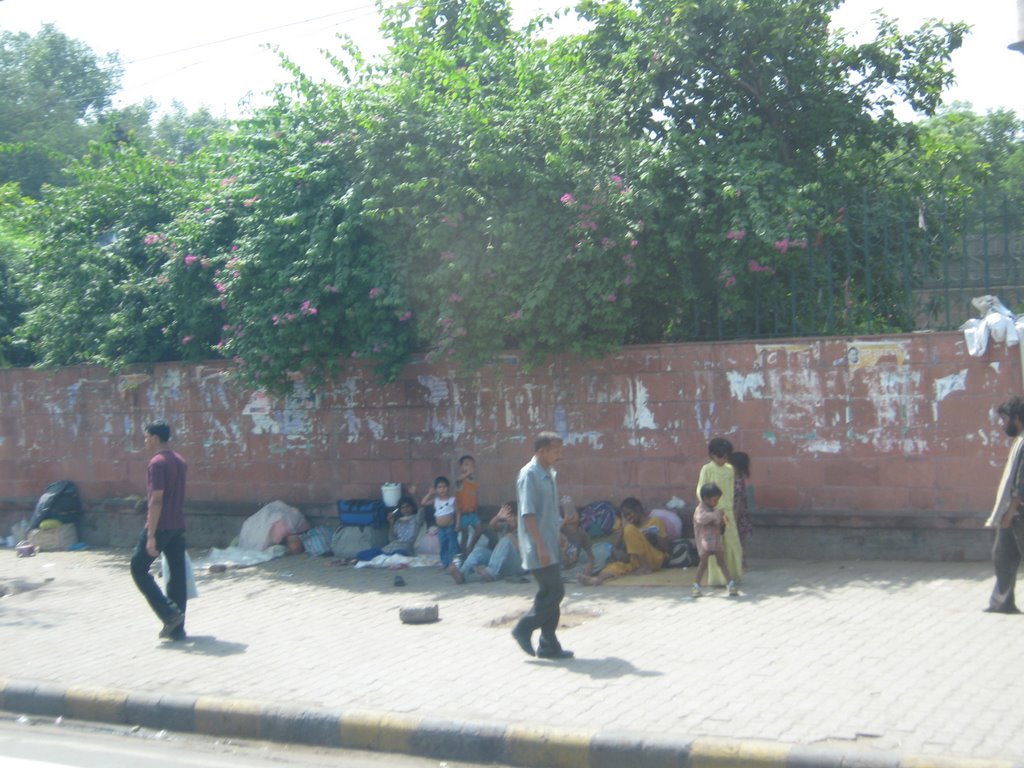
point(151, 546)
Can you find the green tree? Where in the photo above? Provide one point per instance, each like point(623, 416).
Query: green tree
point(93, 283)
point(53, 92)
point(765, 128)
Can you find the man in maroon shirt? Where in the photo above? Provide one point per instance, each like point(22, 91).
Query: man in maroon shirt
point(164, 532)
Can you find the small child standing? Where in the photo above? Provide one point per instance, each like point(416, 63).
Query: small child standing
point(742, 499)
point(720, 472)
point(444, 518)
point(707, 530)
point(468, 519)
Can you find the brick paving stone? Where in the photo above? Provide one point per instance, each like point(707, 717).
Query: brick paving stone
point(880, 655)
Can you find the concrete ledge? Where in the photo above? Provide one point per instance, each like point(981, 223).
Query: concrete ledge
point(98, 704)
point(516, 744)
point(298, 725)
point(229, 717)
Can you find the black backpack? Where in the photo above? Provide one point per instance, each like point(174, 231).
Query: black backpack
point(60, 501)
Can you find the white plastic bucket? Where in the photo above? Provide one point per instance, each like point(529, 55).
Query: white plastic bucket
point(391, 493)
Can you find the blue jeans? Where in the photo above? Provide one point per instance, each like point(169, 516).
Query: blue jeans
point(502, 561)
point(449, 539)
point(172, 544)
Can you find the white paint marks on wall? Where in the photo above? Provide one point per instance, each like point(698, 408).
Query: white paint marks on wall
point(592, 438)
point(638, 412)
point(705, 421)
point(292, 420)
point(744, 385)
point(437, 389)
point(353, 424)
point(258, 409)
point(944, 387)
point(822, 446)
point(446, 422)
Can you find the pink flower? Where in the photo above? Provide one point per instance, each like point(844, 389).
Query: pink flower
point(186, 340)
point(567, 199)
point(228, 181)
point(801, 243)
point(730, 281)
point(250, 202)
point(517, 315)
point(407, 315)
point(375, 292)
point(276, 319)
point(190, 259)
point(332, 289)
point(221, 288)
point(234, 248)
point(611, 297)
point(756, 267)
point(617, 180)
point(627, 280)
point(735, 234)
point(782, 245)
point(153, 238)
point(455, 298)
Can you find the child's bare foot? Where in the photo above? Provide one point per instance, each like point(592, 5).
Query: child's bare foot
point(589, 581)
point(483, 573)
point(456, 574)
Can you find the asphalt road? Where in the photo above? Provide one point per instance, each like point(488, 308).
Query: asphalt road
point(42, 743)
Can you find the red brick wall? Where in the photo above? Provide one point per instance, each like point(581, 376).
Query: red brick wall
point(904, 424)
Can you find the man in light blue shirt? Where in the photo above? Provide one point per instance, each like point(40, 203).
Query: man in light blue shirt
point(540, 522)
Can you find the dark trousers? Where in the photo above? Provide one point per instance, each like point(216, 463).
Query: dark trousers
point(172, 544)
point(546, 611)
point(1006, 556)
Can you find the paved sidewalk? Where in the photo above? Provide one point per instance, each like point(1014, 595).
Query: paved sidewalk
point(816, 663)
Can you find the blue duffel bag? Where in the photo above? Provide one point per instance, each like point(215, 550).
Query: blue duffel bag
point(370, 512)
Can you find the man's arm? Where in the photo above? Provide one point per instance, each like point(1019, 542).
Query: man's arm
point(533, 531)
point(156, 506)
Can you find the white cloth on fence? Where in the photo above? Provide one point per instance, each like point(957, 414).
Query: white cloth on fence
point(997, 323)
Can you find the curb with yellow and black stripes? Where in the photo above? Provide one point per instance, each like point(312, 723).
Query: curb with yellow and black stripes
point(445, 739)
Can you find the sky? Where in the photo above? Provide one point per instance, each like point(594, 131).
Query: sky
point(214, 53)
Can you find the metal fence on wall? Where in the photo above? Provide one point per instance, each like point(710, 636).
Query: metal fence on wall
point(882, 268)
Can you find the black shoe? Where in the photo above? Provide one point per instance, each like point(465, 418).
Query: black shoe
point(179, 636)
point(523, 638)
point(171, 625)
point(1007, 609)
point(558, 653)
